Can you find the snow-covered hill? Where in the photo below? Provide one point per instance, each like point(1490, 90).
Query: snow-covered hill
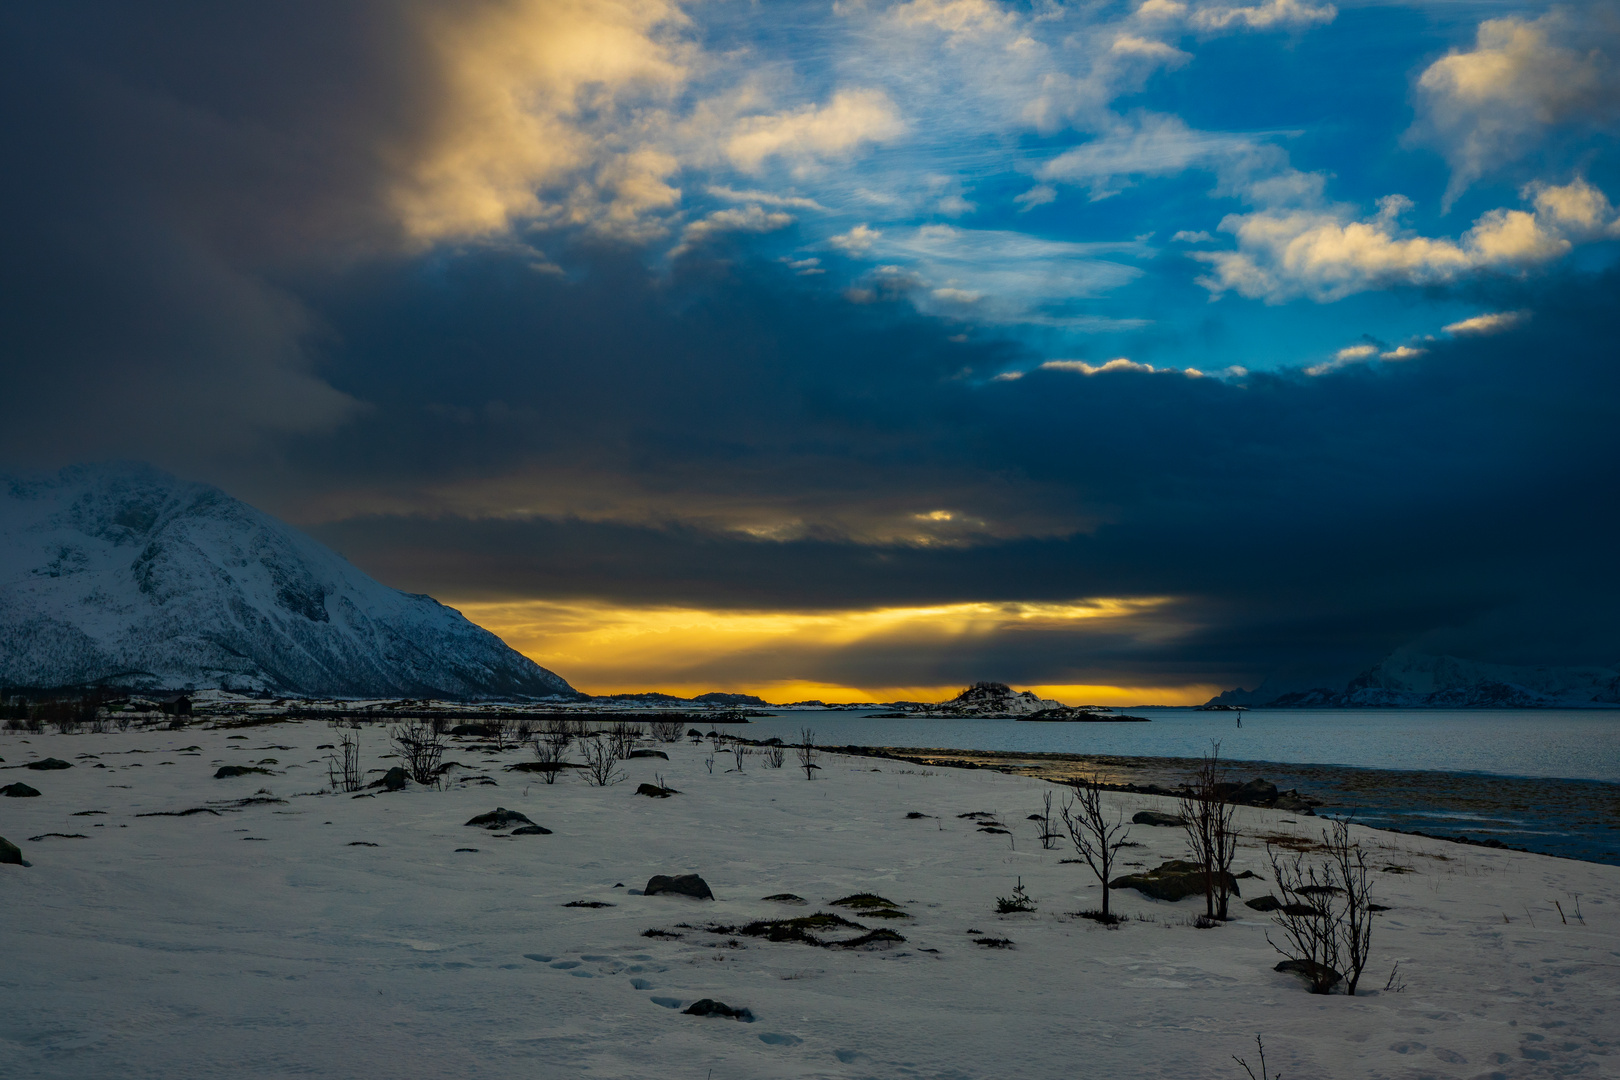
point(1414, 680)
point(125, 575)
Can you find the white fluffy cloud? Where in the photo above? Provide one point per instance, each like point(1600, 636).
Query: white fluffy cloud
point(747, 219)
point(1493, 103)
point(1210, 18)
point(807, 136)
point(1326, 254)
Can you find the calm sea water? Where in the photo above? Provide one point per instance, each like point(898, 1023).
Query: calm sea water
point(1545, 780)
point(1576, 744)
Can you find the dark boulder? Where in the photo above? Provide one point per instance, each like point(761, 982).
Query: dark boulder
point(499, 818)
point(711, 1007)
point(1264, 903)
point(1256, 792)
point(786, 898)
point(394, 779)
point(1153, 817)
point(49, 763)
point(225, 772)
point(19, 790)
point(11, 853)
point(681, 885)
point(531, 830)
point(693, 733)
point(1173, 880)
point(649, 753)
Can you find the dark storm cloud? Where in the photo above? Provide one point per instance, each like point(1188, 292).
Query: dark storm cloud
point(1464, 498)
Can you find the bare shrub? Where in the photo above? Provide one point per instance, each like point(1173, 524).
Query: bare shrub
point(523, 729)
point(1326, 913)
point(343, 764)
point(548, 753)
point(666, 731)
point(419, 748)
point(1043, 820)
point(601, 761)
point(1263, 1074)
point(1211, 835)
point(1095, 834)
point(774, 756)
point(741, 752)
point(623, 737)
point(807, 753)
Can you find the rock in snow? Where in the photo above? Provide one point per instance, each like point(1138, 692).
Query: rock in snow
point(125, 575)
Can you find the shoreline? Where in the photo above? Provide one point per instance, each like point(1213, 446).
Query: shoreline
point(1569, 819)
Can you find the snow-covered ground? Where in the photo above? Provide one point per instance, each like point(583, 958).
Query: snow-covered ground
point(264, 942)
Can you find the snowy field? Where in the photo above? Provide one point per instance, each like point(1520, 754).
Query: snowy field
point(275, 940)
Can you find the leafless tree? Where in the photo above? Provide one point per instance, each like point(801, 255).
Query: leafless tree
point(345, 772)
point(419, 748)
point(1264, 1075)
point(1096, 834)
point(741, 752)
point(807, 753)
point(774, 756)
point(1211, 834)
point(601, 761)
point(666, 731)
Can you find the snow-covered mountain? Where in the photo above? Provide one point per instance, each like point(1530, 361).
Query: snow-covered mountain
point(124, 575)
point(1415, 680)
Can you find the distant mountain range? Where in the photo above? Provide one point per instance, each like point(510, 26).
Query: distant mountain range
point(122, 575)
point(1415, 680)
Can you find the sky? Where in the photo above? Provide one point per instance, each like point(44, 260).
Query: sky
point(855, 350)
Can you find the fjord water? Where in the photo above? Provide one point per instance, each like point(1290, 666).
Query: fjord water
point(1545, 780)
point(1574, 744)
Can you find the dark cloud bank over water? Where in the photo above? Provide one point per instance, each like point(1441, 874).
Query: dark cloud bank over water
point(195, 270)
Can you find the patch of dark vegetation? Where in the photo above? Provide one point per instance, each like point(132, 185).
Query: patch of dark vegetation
point(994, 942)
point(977, 814)
point(994, 829)
point(361, 843)
point(1096, 915)
point(590, 904)
point(227, 771)
point(664, 934)
point(785, 898)
point(62, 835)
point(181, 813)
point(914, 815)
point(90, 813)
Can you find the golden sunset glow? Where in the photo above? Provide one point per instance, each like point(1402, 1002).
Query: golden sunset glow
point(604, 649)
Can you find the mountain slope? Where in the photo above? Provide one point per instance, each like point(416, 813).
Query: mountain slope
point(125, 575)
point(1409, 679)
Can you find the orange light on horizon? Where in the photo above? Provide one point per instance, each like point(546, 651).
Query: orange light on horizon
point(606, 649)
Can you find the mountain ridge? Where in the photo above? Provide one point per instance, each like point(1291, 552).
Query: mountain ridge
point(121, 574)
point(1410, 679)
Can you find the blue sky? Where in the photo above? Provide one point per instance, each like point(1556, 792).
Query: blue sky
point(850, 348)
